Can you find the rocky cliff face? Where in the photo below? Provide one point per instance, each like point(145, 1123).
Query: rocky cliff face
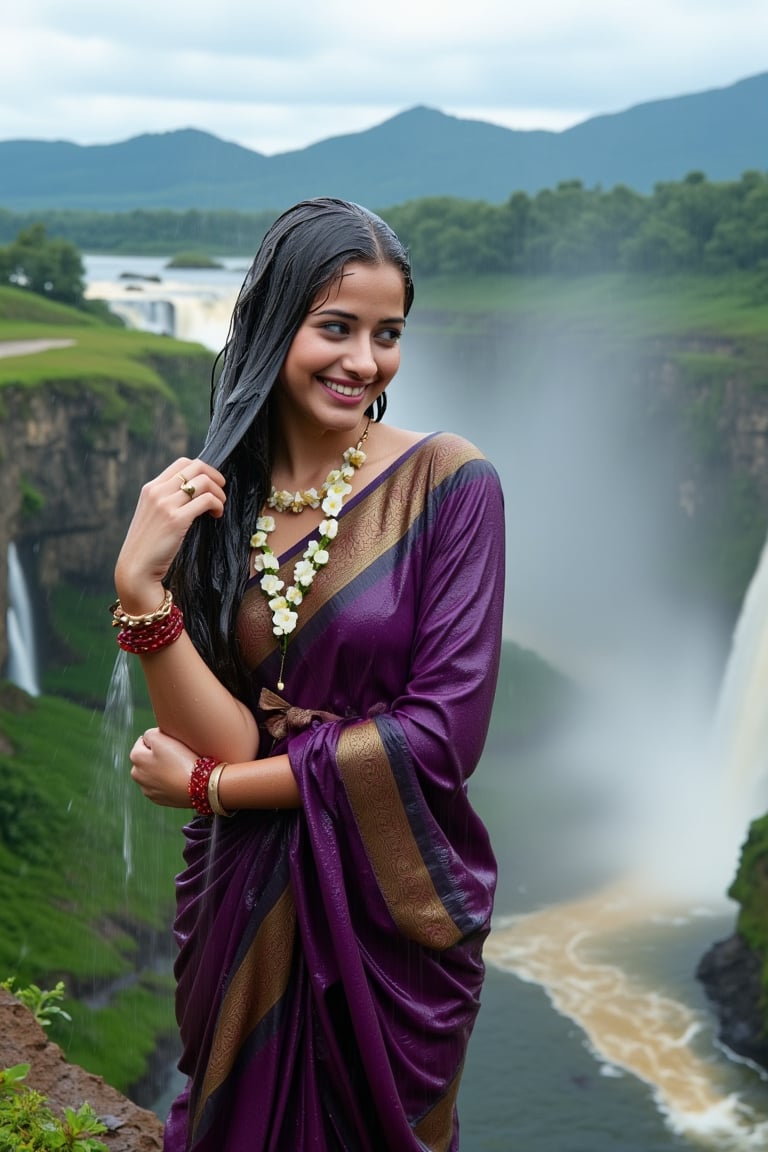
point(731, 974)
point(720, 403)
point(71, 474)
point(23, 1041)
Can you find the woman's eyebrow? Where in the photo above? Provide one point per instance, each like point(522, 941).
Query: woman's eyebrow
point(351, 316)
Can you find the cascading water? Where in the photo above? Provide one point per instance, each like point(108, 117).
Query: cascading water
point(582, 952)
point(190, 304)
point(116, 733)
point(741, 731)
point(148, 315)
point(22, 653)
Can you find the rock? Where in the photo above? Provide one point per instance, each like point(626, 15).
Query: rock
point(71, 477)
point(730, 974)
point(23, 1041)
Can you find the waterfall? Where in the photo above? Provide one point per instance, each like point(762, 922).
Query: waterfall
point(147, 315)
point(22, 653)
point(741, 724)
point(114, 783)
point(201, 317)
point(188, 303)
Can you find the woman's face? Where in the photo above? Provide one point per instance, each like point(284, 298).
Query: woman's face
point(346, 350)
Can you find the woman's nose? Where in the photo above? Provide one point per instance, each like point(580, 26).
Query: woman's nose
point(359, 359)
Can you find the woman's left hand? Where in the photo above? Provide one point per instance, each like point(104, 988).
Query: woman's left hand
point(162, 766)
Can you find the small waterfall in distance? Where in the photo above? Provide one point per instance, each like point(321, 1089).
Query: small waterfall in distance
point(22, 652)
point(192, 304)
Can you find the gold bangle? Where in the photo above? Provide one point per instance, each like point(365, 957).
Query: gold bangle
point(213, 791)
point(121, 619)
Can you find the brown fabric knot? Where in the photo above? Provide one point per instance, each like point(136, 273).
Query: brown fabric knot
point(283, 719)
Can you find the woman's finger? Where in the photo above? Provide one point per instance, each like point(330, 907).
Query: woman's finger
point(186, 467)
point(195, 485)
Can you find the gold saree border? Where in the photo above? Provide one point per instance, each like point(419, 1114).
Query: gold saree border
point(367, 531)
point(399, 867)
point(436, 1128)
point(258, 984)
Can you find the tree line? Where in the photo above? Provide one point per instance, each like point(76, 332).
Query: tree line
point(692, 225)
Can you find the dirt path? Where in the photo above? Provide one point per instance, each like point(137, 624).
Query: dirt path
point(25, 347)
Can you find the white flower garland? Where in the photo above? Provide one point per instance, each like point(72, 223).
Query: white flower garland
point(284, 604)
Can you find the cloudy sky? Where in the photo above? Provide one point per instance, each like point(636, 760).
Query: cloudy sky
point(279, 74)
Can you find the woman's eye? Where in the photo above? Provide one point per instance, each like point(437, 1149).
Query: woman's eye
point(335, 327)
point(391, 335)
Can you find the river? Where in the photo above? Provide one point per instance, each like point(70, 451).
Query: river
point(594, 1035)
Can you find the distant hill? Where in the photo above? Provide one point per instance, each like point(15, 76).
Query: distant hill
point(420, 152)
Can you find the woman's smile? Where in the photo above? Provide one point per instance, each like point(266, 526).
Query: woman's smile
point(343, 388)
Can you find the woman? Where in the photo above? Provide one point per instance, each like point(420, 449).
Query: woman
point(326, 694)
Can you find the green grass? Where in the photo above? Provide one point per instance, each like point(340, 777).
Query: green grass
point(99, 354)
point(60, 792)
point(85, 645)
point(125, 371)
point(69, 910)
point(118, 1042)
point(19, 306)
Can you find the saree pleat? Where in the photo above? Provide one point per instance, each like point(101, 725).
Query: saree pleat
point(330, 958)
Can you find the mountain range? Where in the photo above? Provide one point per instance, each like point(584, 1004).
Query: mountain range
point(420, 152)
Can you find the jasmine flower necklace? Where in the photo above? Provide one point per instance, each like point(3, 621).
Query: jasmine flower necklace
point(284, 602)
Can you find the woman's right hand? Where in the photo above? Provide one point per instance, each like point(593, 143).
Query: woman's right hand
point(163, 515)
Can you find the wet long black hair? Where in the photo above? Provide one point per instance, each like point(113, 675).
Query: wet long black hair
point(302, 254)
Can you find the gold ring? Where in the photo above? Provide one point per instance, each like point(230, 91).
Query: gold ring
point(188, 488)
point(182, 477)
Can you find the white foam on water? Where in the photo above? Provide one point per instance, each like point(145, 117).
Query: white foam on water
point(629, 1027)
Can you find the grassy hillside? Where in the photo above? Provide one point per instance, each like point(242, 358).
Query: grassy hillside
point(116, 364)
point(74, 907)
point(71, 907)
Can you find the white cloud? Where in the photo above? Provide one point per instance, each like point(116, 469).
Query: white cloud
point(275, 77)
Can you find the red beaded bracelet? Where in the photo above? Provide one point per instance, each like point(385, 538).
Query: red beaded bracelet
point(198, 785)
point(153, 636)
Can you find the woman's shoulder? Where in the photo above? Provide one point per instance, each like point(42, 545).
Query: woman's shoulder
point(396, 443)
point(444, 454)
point(426, 462)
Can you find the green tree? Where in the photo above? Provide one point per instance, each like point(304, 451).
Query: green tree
point(51, 267)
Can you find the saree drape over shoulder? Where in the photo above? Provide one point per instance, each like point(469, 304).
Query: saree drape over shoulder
point(330, 958)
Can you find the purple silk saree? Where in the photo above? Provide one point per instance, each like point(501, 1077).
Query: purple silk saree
point(330, 958)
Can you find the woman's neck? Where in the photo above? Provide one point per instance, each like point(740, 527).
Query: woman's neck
point(303, 458)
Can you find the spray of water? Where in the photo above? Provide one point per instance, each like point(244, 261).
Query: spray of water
point(116, 738)
point(595, 533)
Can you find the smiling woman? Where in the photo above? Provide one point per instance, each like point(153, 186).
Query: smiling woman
point(338, 883)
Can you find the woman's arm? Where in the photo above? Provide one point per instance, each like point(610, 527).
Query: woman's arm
point(162, 768)
point(188, 700)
